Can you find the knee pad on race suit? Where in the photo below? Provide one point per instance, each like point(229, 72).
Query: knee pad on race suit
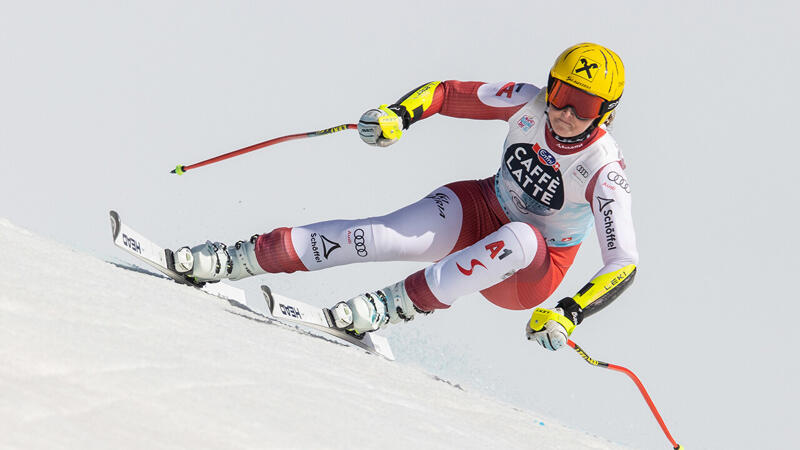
point(486, 263)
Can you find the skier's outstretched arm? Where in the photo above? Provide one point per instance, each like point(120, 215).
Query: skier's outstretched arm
point(384, 125)
point(609, 195)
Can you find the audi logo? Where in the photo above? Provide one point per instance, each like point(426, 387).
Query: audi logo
point(358, 240)
point(619, 180)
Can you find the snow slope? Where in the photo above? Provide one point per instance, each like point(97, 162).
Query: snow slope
point(97, 355)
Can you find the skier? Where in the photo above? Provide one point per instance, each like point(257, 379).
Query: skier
point(511, 236)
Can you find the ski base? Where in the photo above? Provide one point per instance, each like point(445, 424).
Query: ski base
point(320, 319)
point(161, 259)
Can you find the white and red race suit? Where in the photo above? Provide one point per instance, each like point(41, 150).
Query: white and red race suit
point(511, 236)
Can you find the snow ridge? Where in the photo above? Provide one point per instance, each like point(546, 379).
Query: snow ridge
point(104, 355)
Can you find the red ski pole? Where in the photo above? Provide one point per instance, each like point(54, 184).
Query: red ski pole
point(636, 380)
point(181, 169)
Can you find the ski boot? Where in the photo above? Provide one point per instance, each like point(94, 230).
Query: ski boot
point(214, 261)
point(373, 310)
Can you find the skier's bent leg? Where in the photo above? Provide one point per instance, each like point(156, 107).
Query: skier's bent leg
point(490, 261)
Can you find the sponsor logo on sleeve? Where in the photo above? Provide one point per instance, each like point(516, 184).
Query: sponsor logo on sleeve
point(507, 90)
point(602, 203)
point(526, 122)
point(619, 180)
point(503, 95)
point(608, 221)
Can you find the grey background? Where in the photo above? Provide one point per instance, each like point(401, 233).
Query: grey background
point(99, 100)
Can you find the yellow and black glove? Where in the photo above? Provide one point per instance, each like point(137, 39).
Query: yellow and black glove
point(551, 327)
point(381, 127)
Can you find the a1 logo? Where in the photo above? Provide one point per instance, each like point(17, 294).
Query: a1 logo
point(496, 248)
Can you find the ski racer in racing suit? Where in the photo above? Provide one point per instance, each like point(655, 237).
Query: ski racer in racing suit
point(511, 236)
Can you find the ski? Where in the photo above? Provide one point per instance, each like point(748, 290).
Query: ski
point(280, 307)
point(320, 319)
point(161, 258)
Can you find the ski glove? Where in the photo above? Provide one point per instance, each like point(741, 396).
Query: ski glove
point(381, 127)
point(551, 327)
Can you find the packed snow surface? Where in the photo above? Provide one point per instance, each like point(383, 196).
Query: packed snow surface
point(100, 355)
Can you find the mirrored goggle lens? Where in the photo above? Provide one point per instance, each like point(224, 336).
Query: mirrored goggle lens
point(586, 106)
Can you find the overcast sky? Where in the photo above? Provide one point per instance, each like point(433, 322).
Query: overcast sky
point(100, 100)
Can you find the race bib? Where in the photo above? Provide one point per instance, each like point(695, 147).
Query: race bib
point(536, 171)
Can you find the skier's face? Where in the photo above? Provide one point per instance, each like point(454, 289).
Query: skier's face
point(565, 123)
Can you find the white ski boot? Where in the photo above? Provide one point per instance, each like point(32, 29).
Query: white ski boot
point(373, 310)
point(214, 261)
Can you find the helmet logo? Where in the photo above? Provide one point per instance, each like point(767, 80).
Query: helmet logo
point(584, 65)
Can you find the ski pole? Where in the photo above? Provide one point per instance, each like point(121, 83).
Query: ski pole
point(636, 380)
point(181, 169)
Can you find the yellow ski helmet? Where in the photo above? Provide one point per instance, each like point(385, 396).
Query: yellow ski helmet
point(594, 69)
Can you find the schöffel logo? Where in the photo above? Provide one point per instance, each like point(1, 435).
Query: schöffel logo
point(602, 203)
point(328, 246)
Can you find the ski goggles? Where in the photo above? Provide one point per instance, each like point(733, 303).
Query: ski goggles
point(585, 105)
